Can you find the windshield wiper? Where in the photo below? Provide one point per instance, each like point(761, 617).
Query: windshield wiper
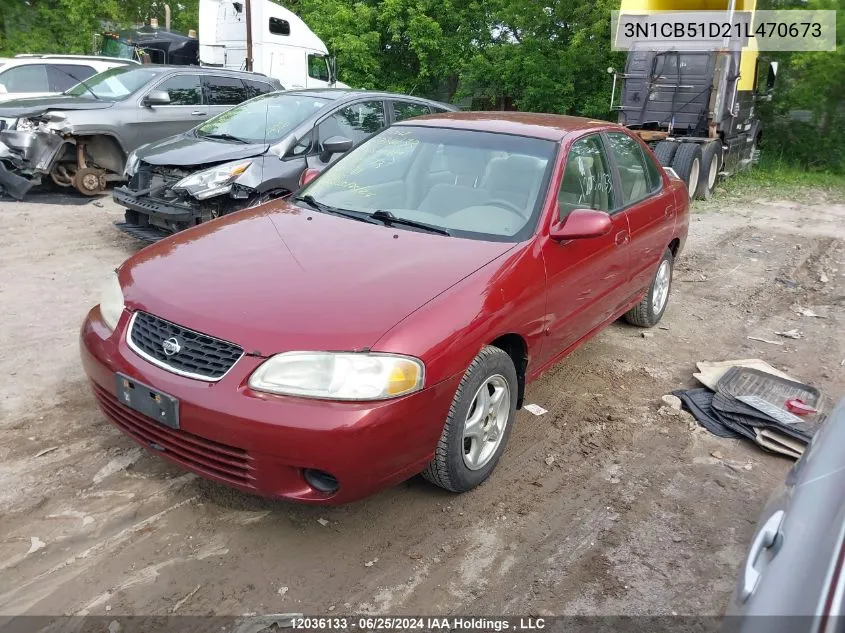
point(225, 136)
point(388, 219)
point(325, 208)
point(81, 81)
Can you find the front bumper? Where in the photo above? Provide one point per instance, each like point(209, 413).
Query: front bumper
point(261, 443)
point(25, 156)
point(156, 219)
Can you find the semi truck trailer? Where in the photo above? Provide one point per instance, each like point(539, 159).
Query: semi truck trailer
point(696, 107)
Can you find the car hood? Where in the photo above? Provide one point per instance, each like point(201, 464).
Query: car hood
point(32, 106)
point(185, 150)
point(281, 278)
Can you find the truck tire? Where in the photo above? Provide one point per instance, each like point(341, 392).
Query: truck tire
point(664, 151)
point(687, 164)
point(711, 163)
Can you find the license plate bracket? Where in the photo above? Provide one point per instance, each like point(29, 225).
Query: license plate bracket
point(142, 398)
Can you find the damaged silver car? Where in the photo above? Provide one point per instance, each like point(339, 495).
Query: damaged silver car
point(82, 137)
point(251, 154)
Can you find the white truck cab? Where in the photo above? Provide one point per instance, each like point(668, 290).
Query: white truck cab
point(283, 46)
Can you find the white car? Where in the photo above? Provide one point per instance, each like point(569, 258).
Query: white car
point(42, 75)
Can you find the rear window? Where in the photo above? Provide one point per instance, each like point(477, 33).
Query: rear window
point(407, 110)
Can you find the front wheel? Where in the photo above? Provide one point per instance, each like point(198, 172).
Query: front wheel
point(649, 311)
point(478, 425)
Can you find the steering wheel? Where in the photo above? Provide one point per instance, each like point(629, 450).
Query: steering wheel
point(507, 205)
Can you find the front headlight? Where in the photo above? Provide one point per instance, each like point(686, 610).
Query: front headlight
point(111, 302)
point(339, 376)
point(132, 162)
point(212, 182)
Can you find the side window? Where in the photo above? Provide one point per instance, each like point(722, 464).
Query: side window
point(256, 88)
point(279, 26)
point(587, 182)
point(65, 76)
point(184, 90)
point(221, 90)
point(318, 67)
point(358, 122)
point(405, 110)
point(655, 180)
point(631, 160)
point(29, 78)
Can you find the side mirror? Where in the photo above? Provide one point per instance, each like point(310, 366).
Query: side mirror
point(308, 175)
point(335, 145)
point(581, 224)
point(156, 98)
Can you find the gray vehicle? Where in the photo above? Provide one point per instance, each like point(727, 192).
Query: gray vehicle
point(81, 138)
point(251, 154)
point(796, 564)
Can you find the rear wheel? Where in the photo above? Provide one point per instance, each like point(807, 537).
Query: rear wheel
point(649, 311)
point(687, 164)
point(664, 151)
point(711, 161)
point(478, 425)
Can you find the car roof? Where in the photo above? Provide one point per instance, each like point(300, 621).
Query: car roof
point(92, 60)
point(553, 127)
point(349, 93)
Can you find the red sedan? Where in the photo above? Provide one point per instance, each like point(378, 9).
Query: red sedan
point(385, 321)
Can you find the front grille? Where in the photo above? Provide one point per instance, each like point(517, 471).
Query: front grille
point(196, 453)
point(199, 355)
point(157, 179)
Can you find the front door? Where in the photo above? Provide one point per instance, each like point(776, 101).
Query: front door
point(185, 110)
point(358, 122)
point(585, 278)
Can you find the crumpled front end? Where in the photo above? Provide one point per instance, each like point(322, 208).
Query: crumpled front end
point(160, 203)
point(27, 152)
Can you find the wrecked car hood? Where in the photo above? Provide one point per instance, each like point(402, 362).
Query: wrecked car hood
point(280, 277)
point(187, 150)
point(33, 106)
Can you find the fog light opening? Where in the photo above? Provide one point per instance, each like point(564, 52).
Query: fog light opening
point(321, 480)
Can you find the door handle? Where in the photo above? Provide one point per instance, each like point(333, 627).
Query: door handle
point(764, 540)
point(622, 238)
point(198, 113)
point(668, 211)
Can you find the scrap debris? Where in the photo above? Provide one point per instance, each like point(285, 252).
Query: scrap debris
point(750, 398)
point(796, 334)
point(763, 340)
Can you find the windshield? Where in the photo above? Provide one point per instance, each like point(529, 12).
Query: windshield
point(263, 119)
point(115, 84)
point(479, 185)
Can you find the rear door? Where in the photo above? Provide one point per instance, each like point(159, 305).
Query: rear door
point(585, 277)
point(649, 205)
point(222, 92)
point(185, 110)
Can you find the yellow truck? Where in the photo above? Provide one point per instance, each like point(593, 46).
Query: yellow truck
point(697, 109)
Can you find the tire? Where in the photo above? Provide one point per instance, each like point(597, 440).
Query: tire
point(664, 151)
point(453, 467)
point(645, 313)
point(687, 164)
point(711, 162)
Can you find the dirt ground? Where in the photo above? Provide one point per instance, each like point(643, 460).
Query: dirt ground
point(604, 505)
